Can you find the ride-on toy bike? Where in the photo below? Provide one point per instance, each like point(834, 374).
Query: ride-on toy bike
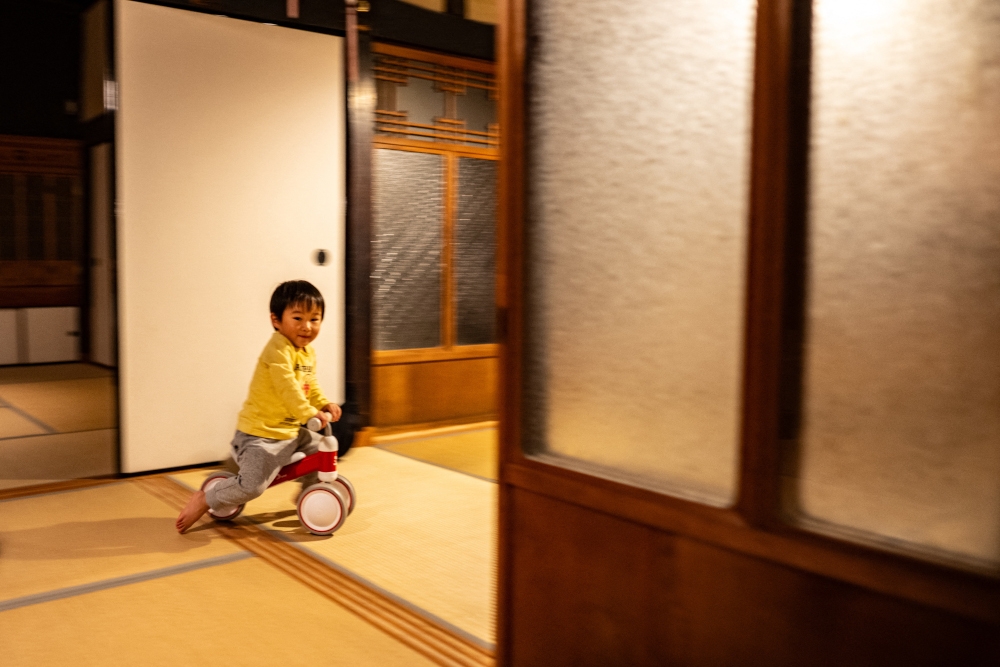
point(323, 507)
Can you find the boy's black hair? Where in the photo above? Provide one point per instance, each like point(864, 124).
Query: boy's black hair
point(296, 292)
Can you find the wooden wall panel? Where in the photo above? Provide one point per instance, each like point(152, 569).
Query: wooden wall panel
point(438, 391)
point(40, 257)
point(584, 586)
point(587, 588)
point(33, 155)
point(736, 609)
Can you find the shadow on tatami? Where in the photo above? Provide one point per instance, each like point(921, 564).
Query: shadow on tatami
point(98, 576)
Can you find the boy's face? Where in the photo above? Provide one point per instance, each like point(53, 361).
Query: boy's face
point(299, 324)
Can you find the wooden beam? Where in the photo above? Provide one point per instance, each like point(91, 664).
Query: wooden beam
point(447, 254)
point(511, 56)
point(474, 64)
point(31, 155)
point(779, 152)
point(403, 23)
point(317, 15)
point(360, 123)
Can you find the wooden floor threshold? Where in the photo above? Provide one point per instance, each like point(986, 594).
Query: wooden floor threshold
point(388, 435)
point(419, 633)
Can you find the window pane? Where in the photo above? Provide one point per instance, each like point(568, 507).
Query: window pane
point(901, 418)
point(476, 251)
point(406, 249)
point(421, 101)
point(636, 242)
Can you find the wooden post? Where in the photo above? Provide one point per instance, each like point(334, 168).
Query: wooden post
point(360, 124)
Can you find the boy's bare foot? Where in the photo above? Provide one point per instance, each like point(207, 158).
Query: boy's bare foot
point(195, 507)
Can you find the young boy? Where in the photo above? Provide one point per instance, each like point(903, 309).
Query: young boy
point(283, 394)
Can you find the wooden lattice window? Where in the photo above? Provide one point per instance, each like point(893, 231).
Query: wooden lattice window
point(429, 97)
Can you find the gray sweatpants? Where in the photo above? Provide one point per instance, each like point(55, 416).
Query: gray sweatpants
point(259, 460)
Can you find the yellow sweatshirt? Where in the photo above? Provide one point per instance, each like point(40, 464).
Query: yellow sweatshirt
point(283, 393)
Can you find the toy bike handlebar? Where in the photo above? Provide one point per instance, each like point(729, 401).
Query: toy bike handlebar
point(315, 424)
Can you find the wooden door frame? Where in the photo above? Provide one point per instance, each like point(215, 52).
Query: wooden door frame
point(421, 378)
point(414, 376)
point(777, 217)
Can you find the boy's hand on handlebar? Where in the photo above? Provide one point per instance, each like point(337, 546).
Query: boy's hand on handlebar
point(334, 412)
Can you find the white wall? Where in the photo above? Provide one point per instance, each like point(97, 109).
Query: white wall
point(230, 175)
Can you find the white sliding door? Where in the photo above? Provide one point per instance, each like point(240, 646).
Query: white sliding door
point(230, 177)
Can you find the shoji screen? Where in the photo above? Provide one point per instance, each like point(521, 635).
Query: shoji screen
point(230, 176)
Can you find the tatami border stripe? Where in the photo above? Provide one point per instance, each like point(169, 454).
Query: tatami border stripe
point(464, 634)
point(413, 629)
point(34, 420)
point(73, 591)
point(52, 488)
point(451, 627)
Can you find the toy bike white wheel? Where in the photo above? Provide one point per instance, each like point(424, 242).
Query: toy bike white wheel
point(211, 481)
point(322, 509)
point(347, 490)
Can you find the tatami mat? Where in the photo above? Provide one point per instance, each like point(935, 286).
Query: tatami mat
point(421, 533)
point(13, 424)
point(40, 459)
point(78, 537)
point(65, 405)
point(472, 452)
point(244, 613)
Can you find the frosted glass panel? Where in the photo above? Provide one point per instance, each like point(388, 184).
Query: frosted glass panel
point(406, 249)
point(476, 252)
point(638, 173)
point(901, 419)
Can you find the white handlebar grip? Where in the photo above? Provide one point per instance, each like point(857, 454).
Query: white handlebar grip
point(314, 424)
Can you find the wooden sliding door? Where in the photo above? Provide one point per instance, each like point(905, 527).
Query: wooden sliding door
point(433, 240)
point(751, 368)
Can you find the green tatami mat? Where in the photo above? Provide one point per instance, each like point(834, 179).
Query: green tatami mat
point(243, 613)
point(423, 534)
point(72, 538)
point(471, 452)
